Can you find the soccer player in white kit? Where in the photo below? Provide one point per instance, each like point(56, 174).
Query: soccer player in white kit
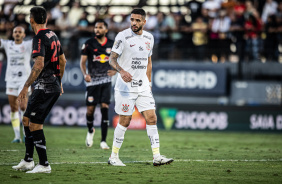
point(131, 58)
point(18, 69)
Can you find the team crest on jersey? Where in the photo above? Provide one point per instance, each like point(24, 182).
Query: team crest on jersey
point(148, 47)
point(90, 99)
point(108, 50)
point(125, 108)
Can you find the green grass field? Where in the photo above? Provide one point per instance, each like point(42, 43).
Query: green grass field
point(200, 157)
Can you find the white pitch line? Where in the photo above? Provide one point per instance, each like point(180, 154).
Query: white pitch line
point(8, 150)
point(148, 161)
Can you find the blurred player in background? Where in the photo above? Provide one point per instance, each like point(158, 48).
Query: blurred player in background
point(96, 52)
point(47, 72)
point(18, 69)
point(131, 57)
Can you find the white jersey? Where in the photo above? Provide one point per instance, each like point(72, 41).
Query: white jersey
point(18, 60)
point(133, 51)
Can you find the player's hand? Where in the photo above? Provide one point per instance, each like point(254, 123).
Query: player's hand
point(23, 95)
point(111, 73)
point(125, 76)
point(62, 89)
point(87, 78)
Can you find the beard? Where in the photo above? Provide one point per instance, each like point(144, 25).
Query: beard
point(138, 29)
point(100, 36)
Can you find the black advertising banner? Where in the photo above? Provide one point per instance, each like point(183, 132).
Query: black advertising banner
point(220, 118)
point(189, 79)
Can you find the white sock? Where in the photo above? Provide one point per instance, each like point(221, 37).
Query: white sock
point(152, 132)
point(118, 139)
point(15, 120)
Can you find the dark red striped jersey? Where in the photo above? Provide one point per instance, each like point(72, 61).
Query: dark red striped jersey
point(98, 60)
point(47, 45)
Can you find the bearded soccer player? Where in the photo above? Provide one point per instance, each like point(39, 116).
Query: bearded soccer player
point(96, 52)
point(131, 58)
point(18, 69)
point(47, 72)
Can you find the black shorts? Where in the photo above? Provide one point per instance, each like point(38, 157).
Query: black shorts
point(98, 94)
point(39, 105)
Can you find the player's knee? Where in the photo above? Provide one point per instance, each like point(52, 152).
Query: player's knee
point(104, 105)
point(25, 121)
point(33, 127)
point(151, 120)
point(90, 110)
point(22, 108)
point(125, 120)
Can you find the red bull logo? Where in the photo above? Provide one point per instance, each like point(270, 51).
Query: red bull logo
point(101, 58)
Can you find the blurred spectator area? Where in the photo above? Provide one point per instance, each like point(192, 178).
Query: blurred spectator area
point(184, 30)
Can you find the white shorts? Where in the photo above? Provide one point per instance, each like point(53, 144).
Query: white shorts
point(125, 102)
point(14, 88)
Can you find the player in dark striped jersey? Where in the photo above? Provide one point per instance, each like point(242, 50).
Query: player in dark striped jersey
point(97, 75)
point(47, 72)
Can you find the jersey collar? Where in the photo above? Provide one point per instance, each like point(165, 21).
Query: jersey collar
point(103, 44)
point(134, 34)
point(41, 30)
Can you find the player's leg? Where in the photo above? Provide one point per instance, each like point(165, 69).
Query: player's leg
point(104, 125)
point(23, 105)
point(90, 125)
point(92, 99)
point(27, 163)
point(40, 108)
point(15, 119)
point(119, 133)
point(124, 106)
point(146, 105)
point(105, 101)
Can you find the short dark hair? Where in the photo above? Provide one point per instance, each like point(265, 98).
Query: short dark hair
point(139, 11)
point(39, 14)
point(102, 21)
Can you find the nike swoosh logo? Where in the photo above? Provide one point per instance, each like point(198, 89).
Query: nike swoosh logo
point(132, 45)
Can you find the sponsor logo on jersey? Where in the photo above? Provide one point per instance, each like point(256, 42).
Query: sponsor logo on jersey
point(101, 58)
point(33, 113)
point(148, 47)
point(108, 50)
point(117, 43)
point(132, 45)
point(136, 83)
point(125, 108)
point(137, 65)
point(83, 47)
point(90, 99)
point(141, 48)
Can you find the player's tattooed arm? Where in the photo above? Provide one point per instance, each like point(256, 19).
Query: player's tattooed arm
point(113, 61)
point(126, 76)
point(36, 70)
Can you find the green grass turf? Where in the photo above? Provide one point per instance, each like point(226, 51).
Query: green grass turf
point(200, 157)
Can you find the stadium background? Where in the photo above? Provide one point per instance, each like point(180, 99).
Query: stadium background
point(231, 80)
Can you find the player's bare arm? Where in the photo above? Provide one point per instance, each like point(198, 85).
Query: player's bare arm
point(111, 72)
point(149, 69)
point(36, 70)
point(62, 61)
point(113, 62)
point(83, 60)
